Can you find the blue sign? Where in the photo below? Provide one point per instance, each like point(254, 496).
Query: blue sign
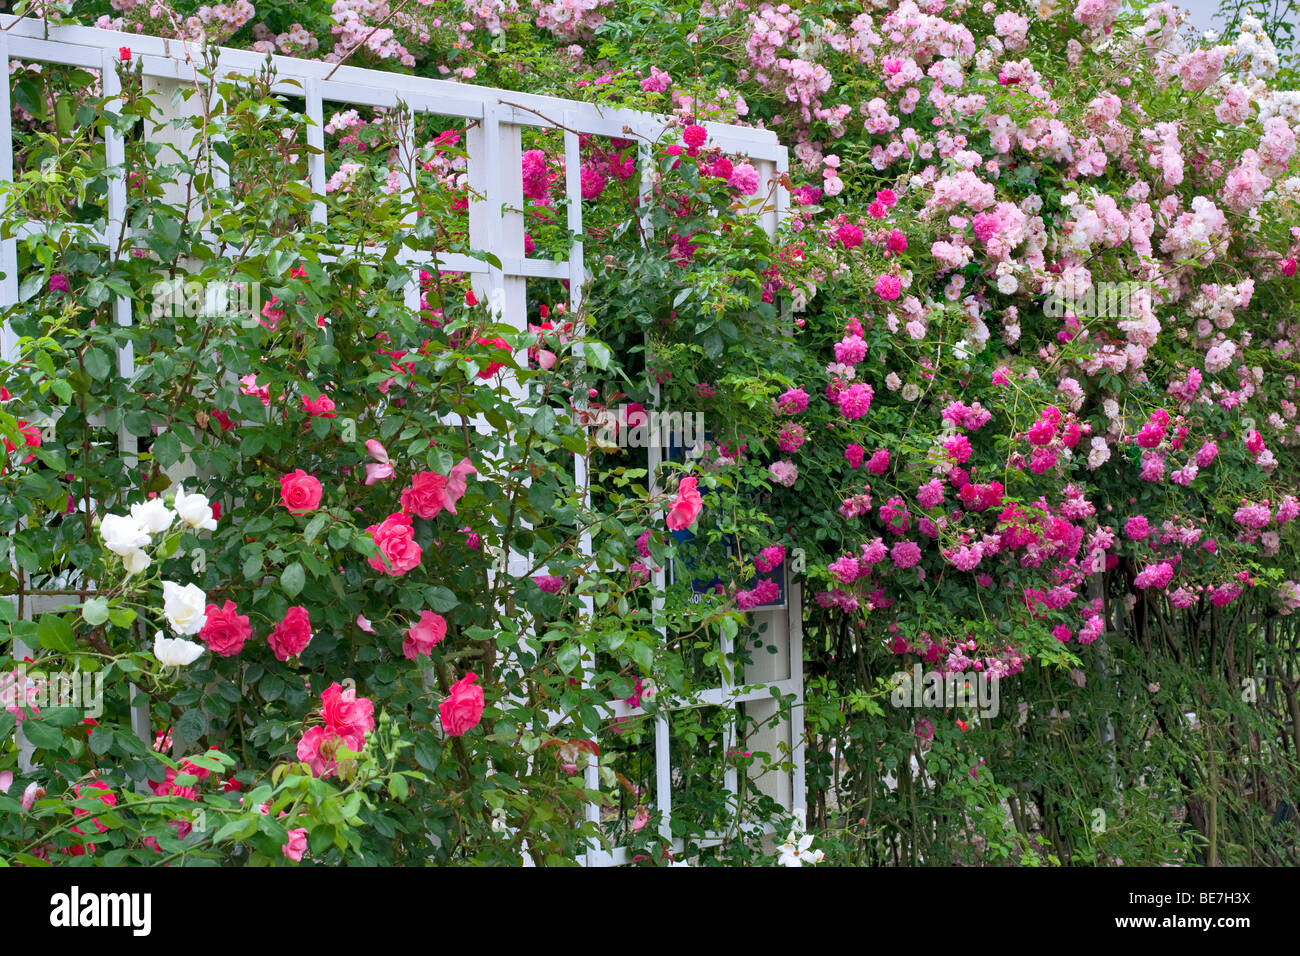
point(701, 586)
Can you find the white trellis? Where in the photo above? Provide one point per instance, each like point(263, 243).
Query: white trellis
point(496, 225)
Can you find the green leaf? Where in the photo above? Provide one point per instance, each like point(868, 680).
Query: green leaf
point(440, 599)
point(101, 738)
point(191, 726)
point(293, 579)
point(95, 611)
point(544, 420)
point(569, 658)
point(597, 353)
point(314, 527)
point(97, 364)
point(167, 449)
point(121, 616)
point(42, 735)
point(55, 634)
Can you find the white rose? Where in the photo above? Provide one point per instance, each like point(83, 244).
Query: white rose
point(911, 392)
point(154, 516)
point(123, 534)
point(135, 561)
point(194, 510)
point(175, 651)
point(185, 607)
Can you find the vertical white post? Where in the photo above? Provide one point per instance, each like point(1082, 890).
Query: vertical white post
point(316, 140)
point(115, 160)
point(8, 247)
point(9, 338)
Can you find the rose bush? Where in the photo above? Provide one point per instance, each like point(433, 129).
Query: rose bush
point(1030, 414)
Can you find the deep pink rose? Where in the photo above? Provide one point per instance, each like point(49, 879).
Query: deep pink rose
point(463, 708)
point(346, 714)
point(323, 407)
point(427, 495)
point(300, 492)
point(423, 637)
point(292, 634)
point(395, 538)
point(225, 630)
point(687, 507)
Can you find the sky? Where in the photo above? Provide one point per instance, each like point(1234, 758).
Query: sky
point(1204, 12)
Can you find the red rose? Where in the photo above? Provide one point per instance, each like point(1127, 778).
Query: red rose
point(300, 492)
point(292, 634)
point(396, 541)
point(425, 498)
point(463, 708)
point(225, 630)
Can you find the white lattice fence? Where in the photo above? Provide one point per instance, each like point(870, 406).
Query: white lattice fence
point(496, 121)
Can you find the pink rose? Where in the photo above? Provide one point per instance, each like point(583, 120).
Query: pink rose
point(292, 634)
point(317, 749)
point(463, 708)
point(323, 407)
point(348, 715)
point(381, 469)
point(687, 507)
point(395, 538)
point(457, 482)
point(423, 637)
point(300, 492)
point(225, 630)
point(427, 495)
point(297, 844)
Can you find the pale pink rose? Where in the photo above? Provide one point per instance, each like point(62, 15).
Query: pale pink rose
point(381, 468)
point(424, 636)
point(457, 482)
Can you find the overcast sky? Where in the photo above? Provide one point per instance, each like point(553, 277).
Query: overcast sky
point(1204, 12)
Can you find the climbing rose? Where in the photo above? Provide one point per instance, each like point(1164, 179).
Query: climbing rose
point(856, 400)
point(225, 630)
point(398, 551)
point(888, 287)
point(426, 496)
point(694, 136)
point(784, 473)
point(463, 708)
point(687, 507)
point(792, 402)
point(292, 635)
point(300, 492)
point(297, 844)
point(323, 407)
point(346, 714)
